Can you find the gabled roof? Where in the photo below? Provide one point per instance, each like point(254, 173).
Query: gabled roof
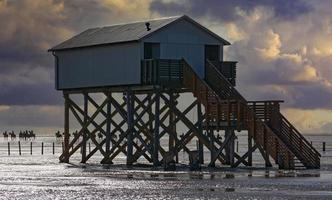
point(125, 33)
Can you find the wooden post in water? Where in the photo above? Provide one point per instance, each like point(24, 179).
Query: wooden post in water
point(30, 148)
point(324, 143)
point(19, 147)
point(8, 148)
point(53, 149)
point(42, 148)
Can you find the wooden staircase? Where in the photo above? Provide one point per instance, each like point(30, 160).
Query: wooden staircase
point(271, 131)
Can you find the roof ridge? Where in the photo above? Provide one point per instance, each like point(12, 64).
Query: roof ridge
point(140, 21)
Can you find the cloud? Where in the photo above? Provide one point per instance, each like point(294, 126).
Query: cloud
point(227, 11)
point(19, 117)
point(310, 121)
point(30, 27)
point(283, 47)
point(277, 60)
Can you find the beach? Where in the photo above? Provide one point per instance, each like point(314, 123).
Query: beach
point(43, 177)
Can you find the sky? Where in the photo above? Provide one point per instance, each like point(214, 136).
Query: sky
point(283, 49)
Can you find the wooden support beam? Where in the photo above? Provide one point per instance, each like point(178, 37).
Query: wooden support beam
point(228, 138)
point(249, 147)
point(265, 156)
point(156, 138)
point(65, 157)
point(130, 124)
point(108, 125)
point(172, 125)
point(85, 130)
point(200, 129)
point(246, 155)
point(212, 152)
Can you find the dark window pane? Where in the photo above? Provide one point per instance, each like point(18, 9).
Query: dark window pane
point(212, 52)
point(151, 50)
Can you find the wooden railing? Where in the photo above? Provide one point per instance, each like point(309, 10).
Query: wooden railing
point(224, 103)
point(300, 146)
point(269, 112)
point(220, 84)
point(161, 72)
point(266, 110)
point(227, 69)
point(266, 124)
point(255, 126)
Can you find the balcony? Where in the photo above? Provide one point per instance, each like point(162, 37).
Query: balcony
point(227, 69)
point(164, 72)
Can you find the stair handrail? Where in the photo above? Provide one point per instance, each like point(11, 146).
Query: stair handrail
point(226, 82)
point(299, 134)
point(253, 115)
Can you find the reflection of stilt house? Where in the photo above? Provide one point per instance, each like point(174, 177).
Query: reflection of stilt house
point(152, 65)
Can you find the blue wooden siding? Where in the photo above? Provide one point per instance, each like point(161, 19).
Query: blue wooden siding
point(99, 66)
point(184, 40)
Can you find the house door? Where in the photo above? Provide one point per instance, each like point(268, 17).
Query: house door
point(151, 50)
point(212, 53)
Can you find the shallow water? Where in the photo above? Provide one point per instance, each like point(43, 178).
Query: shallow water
point(42, 177)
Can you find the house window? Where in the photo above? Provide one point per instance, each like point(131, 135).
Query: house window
point(151, 50)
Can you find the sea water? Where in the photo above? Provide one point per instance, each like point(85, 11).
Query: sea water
point(39, 176)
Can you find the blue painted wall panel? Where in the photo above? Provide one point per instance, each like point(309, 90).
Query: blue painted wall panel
point(99, 66)
point(184, 40)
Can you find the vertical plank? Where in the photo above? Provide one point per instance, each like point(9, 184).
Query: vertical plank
point(212, 148)
point(108, 124)
point(130, 123)
point(172, 126)
point(85, 131)
point(200, 129)
point(65, 157)
point(156, 141)
point(249, 148)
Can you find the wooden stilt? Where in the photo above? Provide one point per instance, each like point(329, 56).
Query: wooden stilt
point(156, 141)
point(65, 157)
point(212, 153)
point(200, 128)
point(130, 123)
point(172, 126)
point(229, 147)
point(85, 131)
point(249, 148)
point(108, 129)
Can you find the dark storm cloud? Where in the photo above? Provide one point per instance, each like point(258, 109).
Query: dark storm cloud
point(312, 97)
point(225, 9)
point(28, 29)
point(36, 94)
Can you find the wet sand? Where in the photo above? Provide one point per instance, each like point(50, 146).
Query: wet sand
point(42, 177)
